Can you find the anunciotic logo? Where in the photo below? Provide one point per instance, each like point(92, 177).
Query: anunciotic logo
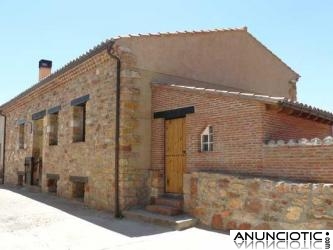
point(281, 239)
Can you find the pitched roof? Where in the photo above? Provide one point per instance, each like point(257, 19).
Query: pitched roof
point(103, 45)
point(297, 108)
point(244, 29)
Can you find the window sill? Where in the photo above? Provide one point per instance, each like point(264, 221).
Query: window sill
point(78, 142)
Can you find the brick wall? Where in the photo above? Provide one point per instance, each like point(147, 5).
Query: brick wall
point(281, 126)
point(241, 127)
point(307, 160)
point(229, 202)
point(236, 124)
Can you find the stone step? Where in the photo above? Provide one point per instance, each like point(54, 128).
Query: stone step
point(171, 202)
point(178, 222)
point(162, 209)
point(33, 189)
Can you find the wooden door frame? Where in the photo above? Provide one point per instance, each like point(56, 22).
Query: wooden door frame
point(165, 160)
point(169, 115)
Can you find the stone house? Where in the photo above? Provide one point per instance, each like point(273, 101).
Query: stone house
point(135, 117)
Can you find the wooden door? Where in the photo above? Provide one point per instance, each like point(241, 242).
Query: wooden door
point(175, 154)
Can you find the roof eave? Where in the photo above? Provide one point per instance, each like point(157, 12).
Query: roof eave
point(92, 52)
point(312, 113)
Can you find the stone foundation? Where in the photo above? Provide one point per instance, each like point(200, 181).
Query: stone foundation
point(227, 202)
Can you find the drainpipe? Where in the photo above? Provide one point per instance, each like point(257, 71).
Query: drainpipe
point(3, 147)
point(110, 50)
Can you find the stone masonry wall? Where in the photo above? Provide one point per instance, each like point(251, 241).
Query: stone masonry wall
point(92, 158)
point(2, 123)
point(226, 202)
point(135, 125)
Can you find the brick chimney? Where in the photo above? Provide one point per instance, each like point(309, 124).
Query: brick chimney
point(44, 68)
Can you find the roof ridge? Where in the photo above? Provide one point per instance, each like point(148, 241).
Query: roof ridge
point(103, 45)
point(244, 28)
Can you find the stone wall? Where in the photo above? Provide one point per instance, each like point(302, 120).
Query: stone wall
point(135, 131)
point(91, 157)
point(2, 123)
point(226, 202)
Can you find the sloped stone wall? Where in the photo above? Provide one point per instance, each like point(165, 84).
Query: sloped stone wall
point(226, 202)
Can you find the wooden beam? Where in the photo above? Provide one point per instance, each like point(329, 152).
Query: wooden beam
point(272, 107)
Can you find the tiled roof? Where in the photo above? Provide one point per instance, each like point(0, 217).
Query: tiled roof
point(304, 108)
point(283, 102)
point(181, 32)
point(103, 45)
point(97, 49)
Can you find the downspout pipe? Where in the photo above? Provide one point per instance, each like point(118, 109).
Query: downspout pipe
point(111, 52)
point(3, 147)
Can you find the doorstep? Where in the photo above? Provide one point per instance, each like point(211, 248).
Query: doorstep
point(178, 222)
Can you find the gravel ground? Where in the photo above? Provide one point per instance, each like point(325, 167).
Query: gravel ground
point(43, 221)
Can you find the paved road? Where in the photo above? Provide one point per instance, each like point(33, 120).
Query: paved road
point(33, 221)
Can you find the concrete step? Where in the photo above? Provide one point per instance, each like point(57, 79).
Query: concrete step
point(171, 202)
point(178, 222)
point(162, 209)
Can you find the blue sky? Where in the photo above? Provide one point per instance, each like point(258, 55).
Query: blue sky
point(299, 32)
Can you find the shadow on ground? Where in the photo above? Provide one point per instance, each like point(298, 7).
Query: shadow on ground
point(101, 218)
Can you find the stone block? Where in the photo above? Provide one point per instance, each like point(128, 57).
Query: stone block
point(262, 226)
point(253, 205)
point(244, 226)
point(231, 225)
point(186, 183)
point(217, 222)
point(235, 203)
point(194, 186)
point(293, 213)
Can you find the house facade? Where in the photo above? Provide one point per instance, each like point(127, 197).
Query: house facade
point(126, 121)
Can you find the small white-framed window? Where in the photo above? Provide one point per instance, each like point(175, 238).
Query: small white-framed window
point(207, 139)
